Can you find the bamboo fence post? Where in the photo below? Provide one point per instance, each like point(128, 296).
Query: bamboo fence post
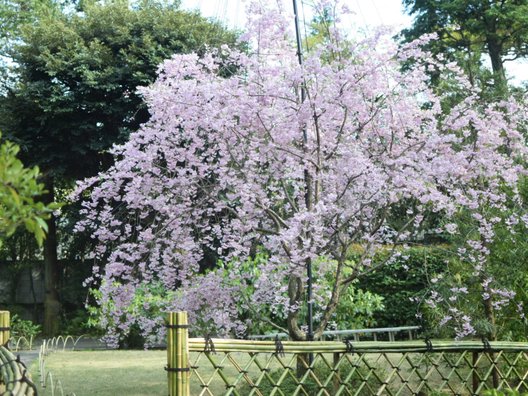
point(337, 376)
point(178, 370)
point(4, 328)
point(494, 372)
point(475, 377)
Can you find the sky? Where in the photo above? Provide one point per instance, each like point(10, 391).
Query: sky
point(367, 14)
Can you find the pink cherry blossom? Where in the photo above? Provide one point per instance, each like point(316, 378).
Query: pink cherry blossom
point(222, 164)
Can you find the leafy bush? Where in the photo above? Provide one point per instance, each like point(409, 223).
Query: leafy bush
point(79, 322)
point(402, 281)
point(24, 328)
point(150, 301)
point(357, 309)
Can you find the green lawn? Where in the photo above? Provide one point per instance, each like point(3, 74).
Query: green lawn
point(116, 373)
point(108, 373)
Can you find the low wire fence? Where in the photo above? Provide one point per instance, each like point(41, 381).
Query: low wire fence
point(15, 379)
point(60, 343)
point(198, 366)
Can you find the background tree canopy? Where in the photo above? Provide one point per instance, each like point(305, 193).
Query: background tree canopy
point(469, 28)
point(72, 92)
point(77, 75)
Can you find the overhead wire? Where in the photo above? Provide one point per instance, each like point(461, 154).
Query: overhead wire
point(361, 13)
point(237, 12)
point(306, 43)
point(376, 9)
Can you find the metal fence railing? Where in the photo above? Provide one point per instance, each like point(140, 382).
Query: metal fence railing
point(391, 333)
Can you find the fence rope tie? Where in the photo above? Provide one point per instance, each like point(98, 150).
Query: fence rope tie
point(487, 345)
point(5, 328)
point(20, 362)
point(177, 369)
point(279, 348)
point(428, 344)
point(209, 345)
point(349, 346)
point(6, 363)
point(177, 326)
point(24, 373)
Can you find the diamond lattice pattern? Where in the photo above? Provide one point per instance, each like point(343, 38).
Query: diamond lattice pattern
point(461, 372)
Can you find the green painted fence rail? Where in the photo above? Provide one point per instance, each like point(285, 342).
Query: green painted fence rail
point(249, 367)
point(355, 333)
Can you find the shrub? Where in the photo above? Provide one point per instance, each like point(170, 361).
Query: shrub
point(401, 281)
point(24, 328)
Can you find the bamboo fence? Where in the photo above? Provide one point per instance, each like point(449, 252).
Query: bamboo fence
point(418, 367)
point(178, 369)
point(14, 377)
point(4, 328)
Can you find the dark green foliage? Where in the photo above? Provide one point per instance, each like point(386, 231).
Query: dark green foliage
point(78, 74)
point(355, 310)
point(133, 340)
point(469, 28)
point(77, 323)
point(72, 93)
point(24, 328)
point(506, 266)
point(358, 309)
point(403, 280)
point(19, 193)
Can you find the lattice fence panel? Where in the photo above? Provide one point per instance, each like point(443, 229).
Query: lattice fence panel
point(248, 368)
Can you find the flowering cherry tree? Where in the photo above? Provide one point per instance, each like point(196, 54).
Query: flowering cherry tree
point(233, 162)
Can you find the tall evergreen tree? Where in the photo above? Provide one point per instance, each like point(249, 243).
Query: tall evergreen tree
point(73, 94)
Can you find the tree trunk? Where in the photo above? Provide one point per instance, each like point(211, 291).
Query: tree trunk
point(52, 305)
point(492, 336)
point(497, 65)
point(295, 293)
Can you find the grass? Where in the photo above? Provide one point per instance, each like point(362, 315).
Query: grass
point(111, 373)
point(106, 373)
point(130, 373)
